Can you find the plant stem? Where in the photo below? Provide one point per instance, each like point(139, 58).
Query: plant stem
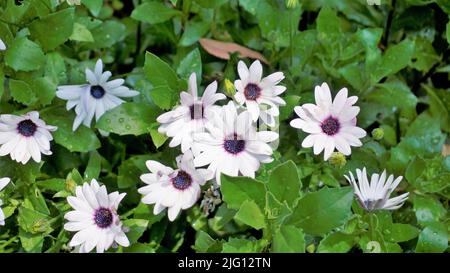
point(371, 227)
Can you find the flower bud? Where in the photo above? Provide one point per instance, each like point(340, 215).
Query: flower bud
point(230, 90)
point(378, 134)
point(291, 4)
point(337, 159)
point(311, 248)
point(71, 185)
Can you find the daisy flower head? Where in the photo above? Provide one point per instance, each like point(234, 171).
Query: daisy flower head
point(330, 124)
point(24, 137)
point(96, 97)
point(375, 195)
point(94, 218)
point(191, 115)
point(2, 45)
point(260, 95)
point(231, 144)
point(3, 182)
point(173, 189)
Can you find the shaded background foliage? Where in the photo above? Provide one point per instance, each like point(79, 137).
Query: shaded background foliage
point(394, 57)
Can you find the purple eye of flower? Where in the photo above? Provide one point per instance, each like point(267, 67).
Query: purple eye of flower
point(182, 181)
point(330, 126)
point(252, 91)
point(103, 217)
point(97, 91)
point(196, 111)
point(234, 145)
point(26, 128)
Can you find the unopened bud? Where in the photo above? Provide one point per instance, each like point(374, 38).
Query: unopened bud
point(71, 185)
point(311, 248)
point(291, 4)
point(338, 160)
point(378, 134)
point(230, 90)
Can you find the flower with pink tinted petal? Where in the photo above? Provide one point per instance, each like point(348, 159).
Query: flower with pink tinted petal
point(331, 124)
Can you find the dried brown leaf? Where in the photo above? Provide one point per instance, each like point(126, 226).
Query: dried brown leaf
point(223, 50)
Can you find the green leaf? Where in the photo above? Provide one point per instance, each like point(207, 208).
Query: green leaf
point(394, 59)
point(163, 96)
point(131, 169)
point(284, 183)
point(24, 55)
point(159, 73)
point(448, 32)
point(81, 33)
point(337, 242)
point(237, 245)
point(237, 190)
point(45, 89)
point(209, 4)
point(86, 140)
point(433, 239)
point(108, 34)
point(428, 209)
point(193, 32)
point(153, 13)
point(94, 6)
point(250, 214)
point(157, 138)
point(287, 111)
point(428, 175)
point(93, 167)
point(137, 228)
point(53, 29)
point(288, 239)
point(397, 233)
point(22, 92)
point(130, 118)
point(31, 242)
point(191, 63)
point(205, 243)
point(424, 56)
point(319, 212)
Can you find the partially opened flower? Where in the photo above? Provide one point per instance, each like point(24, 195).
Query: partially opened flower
point(191, 116)
point(260, 95)
point(96, 97)
point(24, 137)
point(173, 189)
point(3, 182)
point(331, 124)
point(94, 218)
point(2, 45)
point(375, 195)
point(232, 146)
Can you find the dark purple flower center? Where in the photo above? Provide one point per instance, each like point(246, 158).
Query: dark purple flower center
point(103, 217)
point(233, 145)
point(26, 128)
point(97, 91)
point(182, 181)
point(252, 91)
point(330, 126)
point(196, 111)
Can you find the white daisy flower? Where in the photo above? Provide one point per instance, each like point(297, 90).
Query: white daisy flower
point(331, 124)
point(375, 196)
point(191, 116)
point(96, 97)
point(3, 182)
point(173, 189)
point(232, 146)
point(94, 218)
point(25, 137)
point(2, 45)
point(261, 96)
